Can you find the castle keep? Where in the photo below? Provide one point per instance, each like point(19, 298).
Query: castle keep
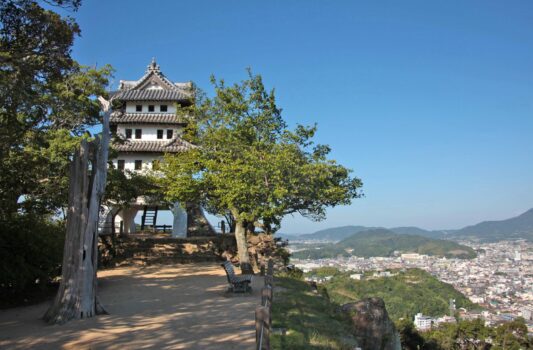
point(147, 123)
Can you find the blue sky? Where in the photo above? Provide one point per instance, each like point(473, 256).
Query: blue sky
point(429, 102)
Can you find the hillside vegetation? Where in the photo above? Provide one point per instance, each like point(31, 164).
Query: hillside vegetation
point(405, 294)
point(310, 320)
point(382, 242)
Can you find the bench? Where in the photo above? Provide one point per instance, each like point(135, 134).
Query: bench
point(238, 283)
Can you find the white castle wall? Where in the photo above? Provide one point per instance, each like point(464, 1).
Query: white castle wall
point(129, 160)
point(149, 131)
point(131, 107)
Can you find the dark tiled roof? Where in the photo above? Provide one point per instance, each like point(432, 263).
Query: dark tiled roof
point(151, 95)
point(173, 146)
point(146, 118)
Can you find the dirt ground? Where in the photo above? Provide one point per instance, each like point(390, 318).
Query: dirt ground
point(182, 306)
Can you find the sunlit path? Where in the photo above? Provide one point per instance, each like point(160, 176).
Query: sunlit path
point(158, 307)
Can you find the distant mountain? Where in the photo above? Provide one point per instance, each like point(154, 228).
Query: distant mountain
point(334, 234)
point(382, 242)
point(413, 230)
point(519, 227)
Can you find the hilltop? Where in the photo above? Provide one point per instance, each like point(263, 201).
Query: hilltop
point(404, 294)
point(382, 242)
point(519, 227)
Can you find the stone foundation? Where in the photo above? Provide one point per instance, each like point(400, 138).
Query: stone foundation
point(161, 249)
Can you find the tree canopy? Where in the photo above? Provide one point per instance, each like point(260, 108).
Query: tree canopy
point(249, 163)
point(46, 104)
point(466, 334)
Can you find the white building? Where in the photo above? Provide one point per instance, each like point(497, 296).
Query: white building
point(517, 255)
point(445, 319)
point(527, 313)
point(412, 256)
point(356, 276)
point(423, 323)
point(149, 127)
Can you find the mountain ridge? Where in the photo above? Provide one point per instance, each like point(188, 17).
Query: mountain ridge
point(518, 227)
point(383, 242)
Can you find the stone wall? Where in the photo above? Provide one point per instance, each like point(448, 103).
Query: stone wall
point(146, 250)
point(115, 251)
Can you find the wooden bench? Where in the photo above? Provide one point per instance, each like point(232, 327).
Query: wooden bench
point(238, 283)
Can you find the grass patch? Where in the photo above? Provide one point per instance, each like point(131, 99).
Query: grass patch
point(311, 320)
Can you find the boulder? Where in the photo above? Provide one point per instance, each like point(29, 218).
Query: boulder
point(373, 328)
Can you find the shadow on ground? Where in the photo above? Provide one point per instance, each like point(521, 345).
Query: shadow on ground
point(182, 306)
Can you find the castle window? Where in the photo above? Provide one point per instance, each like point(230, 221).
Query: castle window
point(139, 108)
point(159, 134)
point(163, 108)
point(170, 133)
point(138, 164)
point(138, 133)
point(151, 108)
point(113, 129)
point(120, 164)
point(128, 133)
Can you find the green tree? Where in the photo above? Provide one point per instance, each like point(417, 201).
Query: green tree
point(512, 336)
point(250, 164)
point(409, 336)
point(45, 104)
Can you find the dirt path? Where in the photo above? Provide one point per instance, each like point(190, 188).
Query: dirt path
point(181, 306)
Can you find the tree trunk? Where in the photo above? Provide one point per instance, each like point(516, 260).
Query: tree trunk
point(197, 223)
point(242, 247)
point(76, 297)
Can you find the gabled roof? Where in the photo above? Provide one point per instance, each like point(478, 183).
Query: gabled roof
point(153, 86)
point(152, 95)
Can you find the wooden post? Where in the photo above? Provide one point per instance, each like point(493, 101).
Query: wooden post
point(155, 217)
point(143, 218)
point(266, 296)
point(270, 267)
point(262, 328)
point(269, 280)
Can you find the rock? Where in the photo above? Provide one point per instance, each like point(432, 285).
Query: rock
point(373, 328)
point(254, 240)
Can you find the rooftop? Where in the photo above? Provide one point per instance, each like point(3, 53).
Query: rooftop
point(172, 146)
point(153, 86)
point(146, 118)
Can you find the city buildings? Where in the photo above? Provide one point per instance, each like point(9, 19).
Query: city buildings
point(499, 279)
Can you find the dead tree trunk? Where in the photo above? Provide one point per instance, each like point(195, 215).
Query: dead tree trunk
point(76, 297)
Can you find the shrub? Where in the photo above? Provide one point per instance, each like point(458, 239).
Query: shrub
point(31, 251)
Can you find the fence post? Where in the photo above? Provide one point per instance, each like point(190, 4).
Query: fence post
point(269, 280)
point(270, 267)
point(262, 328)
point(266, 295)
point(266, 329)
